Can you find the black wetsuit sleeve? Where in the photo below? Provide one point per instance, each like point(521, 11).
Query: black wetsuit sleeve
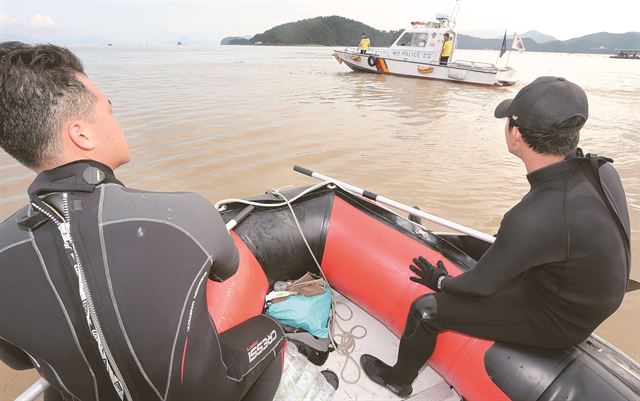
point(14, 357)
point(225, 255)
point(523, 242)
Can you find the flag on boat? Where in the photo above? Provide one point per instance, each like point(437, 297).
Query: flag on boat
point(503, 47)
point(518, 43)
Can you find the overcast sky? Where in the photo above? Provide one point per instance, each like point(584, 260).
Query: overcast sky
point(146, 20)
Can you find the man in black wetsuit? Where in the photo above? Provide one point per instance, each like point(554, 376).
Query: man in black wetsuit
point(102, 288)
point(560, 263)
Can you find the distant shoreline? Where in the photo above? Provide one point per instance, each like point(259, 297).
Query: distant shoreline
point(324, 31)
point(612, 51)
point(204, 45)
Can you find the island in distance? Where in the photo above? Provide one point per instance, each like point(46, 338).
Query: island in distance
point(235, 40)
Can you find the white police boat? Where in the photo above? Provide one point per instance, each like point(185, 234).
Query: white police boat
point(416, 53)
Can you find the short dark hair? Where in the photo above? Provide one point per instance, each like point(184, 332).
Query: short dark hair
point(39, 92)
point(562, 140)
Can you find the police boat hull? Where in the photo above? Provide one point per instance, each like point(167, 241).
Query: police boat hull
point(383, 61)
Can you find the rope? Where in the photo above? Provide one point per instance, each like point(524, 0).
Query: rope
point(347, 339)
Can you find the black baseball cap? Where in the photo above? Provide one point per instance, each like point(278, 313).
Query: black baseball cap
point(544, 104)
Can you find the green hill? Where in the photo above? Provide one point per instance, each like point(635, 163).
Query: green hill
point(598, 43)
point(538, 36)
point(325, 31)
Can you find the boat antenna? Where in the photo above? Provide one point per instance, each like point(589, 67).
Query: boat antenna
point(455, 11)
point(446, 9)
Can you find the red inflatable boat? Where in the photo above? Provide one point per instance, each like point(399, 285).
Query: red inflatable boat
point(364, 250)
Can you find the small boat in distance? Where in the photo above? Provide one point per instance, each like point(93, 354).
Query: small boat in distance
point(416, 53)
point(627, 54)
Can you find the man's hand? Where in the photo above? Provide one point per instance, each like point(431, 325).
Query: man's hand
point(428, 274)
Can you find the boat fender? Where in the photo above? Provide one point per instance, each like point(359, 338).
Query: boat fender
point(371, 61)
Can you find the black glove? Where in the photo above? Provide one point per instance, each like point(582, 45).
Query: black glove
point(428, 274)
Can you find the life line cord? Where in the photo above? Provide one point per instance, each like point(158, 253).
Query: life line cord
point(347, 339)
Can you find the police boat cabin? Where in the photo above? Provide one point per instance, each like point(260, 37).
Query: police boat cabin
point(418, 52)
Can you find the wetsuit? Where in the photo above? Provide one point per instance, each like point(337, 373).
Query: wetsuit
point(133, 266)
point(559, 267)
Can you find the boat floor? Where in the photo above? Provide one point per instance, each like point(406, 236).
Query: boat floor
point(381, 342)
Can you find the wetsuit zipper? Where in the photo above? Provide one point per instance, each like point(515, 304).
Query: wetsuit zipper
point(64, 226)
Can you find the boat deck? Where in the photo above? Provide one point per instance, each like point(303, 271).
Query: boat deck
point(382, 343)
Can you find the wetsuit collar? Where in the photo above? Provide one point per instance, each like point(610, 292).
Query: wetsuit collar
point(558, 169)
point(80, 176)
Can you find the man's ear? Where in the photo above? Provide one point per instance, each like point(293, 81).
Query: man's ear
point(80, 136)
point(515, 136)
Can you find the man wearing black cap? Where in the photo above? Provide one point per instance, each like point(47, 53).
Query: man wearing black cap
point(560, 263)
